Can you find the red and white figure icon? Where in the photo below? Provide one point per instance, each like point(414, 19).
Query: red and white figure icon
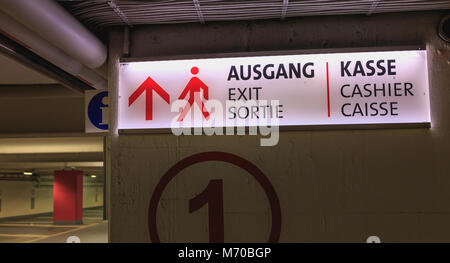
point(194, 86)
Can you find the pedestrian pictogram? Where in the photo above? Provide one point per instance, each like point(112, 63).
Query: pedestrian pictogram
point(148, 86)
point(194, 87)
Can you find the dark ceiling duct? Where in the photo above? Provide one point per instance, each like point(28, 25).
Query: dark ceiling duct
point(49, 52)
point(57, 26)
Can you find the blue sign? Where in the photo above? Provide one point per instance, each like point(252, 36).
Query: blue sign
point(97, 110)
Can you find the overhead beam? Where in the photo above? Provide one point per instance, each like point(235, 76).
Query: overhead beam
point(57, 145)
point(18, 166)
point(52, 157)
point(47, 135)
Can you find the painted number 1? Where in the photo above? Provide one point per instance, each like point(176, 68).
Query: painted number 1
point(213, 196)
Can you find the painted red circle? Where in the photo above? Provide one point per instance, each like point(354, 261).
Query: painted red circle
point(194, 70)
point(224, 157)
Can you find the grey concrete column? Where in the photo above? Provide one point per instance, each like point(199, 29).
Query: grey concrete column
point(115, 53)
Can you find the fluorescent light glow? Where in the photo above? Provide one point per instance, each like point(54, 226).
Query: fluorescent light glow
point(51, 145)
point(93, 176)
point(27, 173)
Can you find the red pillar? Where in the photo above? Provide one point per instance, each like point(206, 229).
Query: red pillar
point(68, 197)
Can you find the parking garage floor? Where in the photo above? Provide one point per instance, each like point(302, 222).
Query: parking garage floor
point(40, 229)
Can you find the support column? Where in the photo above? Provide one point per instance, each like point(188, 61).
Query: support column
point(116, 50)
point(68, 197)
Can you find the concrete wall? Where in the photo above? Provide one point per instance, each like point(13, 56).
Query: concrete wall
point(333, 186)
point(92, 193)
point(16, 195)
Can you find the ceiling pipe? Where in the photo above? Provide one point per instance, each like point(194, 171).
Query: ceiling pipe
point(41, 47)
point(53, 23)
point(30, 59)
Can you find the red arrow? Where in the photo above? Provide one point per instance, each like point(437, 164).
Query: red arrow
point(149, 85)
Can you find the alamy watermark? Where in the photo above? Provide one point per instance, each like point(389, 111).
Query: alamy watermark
point(211, 117)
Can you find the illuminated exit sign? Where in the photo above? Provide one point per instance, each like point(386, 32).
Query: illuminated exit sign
point(383, 87)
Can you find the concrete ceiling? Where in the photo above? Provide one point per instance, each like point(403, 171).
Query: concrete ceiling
point(12, 72)
point(44, 155)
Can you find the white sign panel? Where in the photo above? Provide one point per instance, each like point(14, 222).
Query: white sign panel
point(96, 111)
point(320, 89)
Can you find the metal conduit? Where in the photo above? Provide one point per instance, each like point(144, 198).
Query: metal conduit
point(98, 14)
